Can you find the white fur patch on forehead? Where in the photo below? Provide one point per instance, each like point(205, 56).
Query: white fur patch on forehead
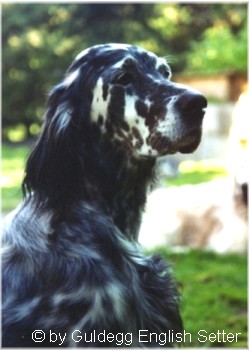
point(116, 46)
point(104, 47)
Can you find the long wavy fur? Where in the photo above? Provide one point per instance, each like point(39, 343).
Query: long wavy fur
point(71, 259)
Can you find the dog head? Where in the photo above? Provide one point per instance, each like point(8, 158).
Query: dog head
point(133, 101)
point(115, 100)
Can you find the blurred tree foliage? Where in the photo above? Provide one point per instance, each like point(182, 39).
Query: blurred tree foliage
point(40, 40)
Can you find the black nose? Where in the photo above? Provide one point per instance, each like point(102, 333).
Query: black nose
point(190, 102)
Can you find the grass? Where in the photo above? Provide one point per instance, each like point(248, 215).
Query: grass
point(213, 287)
point(214, 294)
point(13, 160)
point(193, 173)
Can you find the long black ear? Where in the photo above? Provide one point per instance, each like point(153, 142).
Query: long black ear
point(55, 164)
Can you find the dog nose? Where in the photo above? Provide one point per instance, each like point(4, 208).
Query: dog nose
point(190, 102)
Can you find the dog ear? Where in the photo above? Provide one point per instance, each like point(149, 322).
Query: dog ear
point(55, 162)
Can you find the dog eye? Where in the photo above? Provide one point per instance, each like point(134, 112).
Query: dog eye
point(167, 75)
point(123, 79)
point(165, 72)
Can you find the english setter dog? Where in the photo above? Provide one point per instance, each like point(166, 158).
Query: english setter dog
point(73, 274)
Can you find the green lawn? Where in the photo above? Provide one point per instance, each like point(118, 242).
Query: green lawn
point(213, 287)
point(13, 161)
point(214, 294)
point(195, 172)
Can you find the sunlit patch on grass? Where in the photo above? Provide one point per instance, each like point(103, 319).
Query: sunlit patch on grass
point(195, 172)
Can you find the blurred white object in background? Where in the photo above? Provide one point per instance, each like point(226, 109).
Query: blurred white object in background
point(238, 145)
point(207, 216)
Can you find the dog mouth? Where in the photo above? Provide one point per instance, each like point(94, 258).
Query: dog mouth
point(185, 135)
point(191, 138)
point(186, 142)
point(191, 145)
point(162, 145)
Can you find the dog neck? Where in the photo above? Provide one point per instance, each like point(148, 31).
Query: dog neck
point(121, 184)
point(99, 172)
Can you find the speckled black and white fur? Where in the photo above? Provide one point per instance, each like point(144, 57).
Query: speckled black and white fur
point(71, 261)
